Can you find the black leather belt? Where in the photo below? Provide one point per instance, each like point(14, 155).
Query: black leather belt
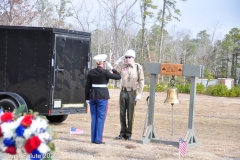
point(127, 89)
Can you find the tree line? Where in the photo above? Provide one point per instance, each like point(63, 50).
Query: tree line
point(118, 25)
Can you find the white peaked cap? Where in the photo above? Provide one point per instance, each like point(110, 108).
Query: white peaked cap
point(130, 53)
point(100, 57)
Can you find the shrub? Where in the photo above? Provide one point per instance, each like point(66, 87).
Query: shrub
point(183, 88)
point(213, 90)
point(187, 88)
point(209, 90)
point(146, 88)
point(200, 88)
point(160, 87)
point(220, 90)
point(234, 92)
point(112, 86)
point(238, 90)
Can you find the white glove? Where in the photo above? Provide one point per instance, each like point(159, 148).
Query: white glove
point(109, 65)
point(87, 101)
point(119, 60)
point(138, 97)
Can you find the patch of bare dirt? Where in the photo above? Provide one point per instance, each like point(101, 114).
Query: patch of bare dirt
point(217, 129)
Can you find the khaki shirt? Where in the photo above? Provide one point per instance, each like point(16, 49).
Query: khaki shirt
point(131, 79)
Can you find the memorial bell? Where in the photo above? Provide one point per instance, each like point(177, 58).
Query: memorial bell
point(172, 93)
point(172, 97)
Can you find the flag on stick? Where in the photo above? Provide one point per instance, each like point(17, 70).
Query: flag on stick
point(182, 147)
point(74, 130)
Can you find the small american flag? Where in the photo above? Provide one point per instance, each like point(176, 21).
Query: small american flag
point(74, 130)
point(182, 147)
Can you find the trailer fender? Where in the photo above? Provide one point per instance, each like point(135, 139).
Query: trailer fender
point(12, 99)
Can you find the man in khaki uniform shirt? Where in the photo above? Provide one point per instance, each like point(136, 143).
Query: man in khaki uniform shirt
point(132, 83)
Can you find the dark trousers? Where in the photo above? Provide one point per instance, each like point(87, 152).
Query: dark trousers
point(127, 105)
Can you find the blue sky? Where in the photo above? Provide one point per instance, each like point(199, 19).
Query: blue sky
point(200, 15)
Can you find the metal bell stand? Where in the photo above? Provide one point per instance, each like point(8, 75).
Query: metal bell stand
point(193, 71)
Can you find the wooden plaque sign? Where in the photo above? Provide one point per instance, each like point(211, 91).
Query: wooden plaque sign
point(171, 69)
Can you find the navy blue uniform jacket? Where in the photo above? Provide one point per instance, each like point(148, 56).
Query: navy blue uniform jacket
point(99, 75)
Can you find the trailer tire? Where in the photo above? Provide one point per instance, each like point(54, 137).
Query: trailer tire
point(57, 118)
point(8, 105)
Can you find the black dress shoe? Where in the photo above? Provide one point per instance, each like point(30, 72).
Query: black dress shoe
point(120, 136)
point(128, 138)
point(99, 142)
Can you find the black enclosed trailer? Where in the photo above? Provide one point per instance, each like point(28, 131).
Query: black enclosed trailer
point(44, 69)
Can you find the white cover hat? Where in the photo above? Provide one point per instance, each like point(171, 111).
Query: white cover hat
point(100, 57)
point(130, 53)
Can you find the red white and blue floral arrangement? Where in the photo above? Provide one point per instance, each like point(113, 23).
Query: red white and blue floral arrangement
point(28, 134)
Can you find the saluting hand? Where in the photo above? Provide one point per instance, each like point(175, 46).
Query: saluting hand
point(109, 65)
point(119, 60)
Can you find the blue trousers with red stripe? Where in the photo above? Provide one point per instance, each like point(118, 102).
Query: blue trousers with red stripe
point(98, 110)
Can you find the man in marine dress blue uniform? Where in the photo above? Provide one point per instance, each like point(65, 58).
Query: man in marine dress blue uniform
point(97, 94)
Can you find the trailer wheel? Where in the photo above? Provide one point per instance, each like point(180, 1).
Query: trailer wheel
point(57, 119)
point(8, 105)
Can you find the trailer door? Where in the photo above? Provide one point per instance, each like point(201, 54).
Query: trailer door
point(70, 67)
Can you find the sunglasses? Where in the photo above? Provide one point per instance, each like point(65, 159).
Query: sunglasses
point(128, 57)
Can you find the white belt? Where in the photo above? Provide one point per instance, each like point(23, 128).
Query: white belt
point(100, 85)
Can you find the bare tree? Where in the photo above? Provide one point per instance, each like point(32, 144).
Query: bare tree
point(63, 11)
point(145, 6)
point(82, 12)
point(116, 15)
point(165, 15)
point(17, 12)
point(214, 31)
point(46, 13)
